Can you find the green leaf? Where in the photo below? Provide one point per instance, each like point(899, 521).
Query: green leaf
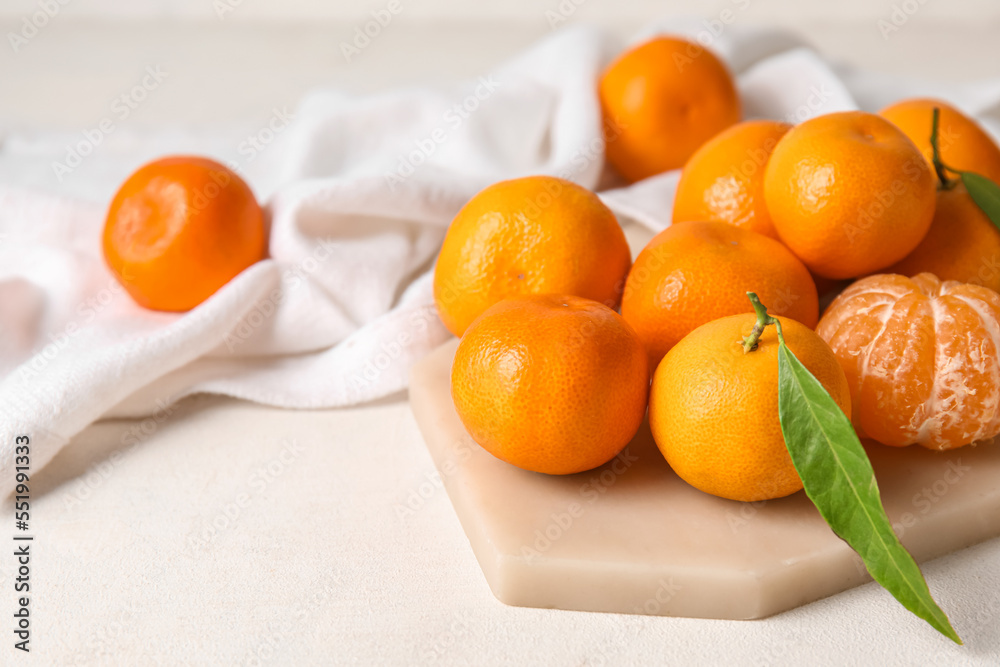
point(985, 193)
point(839, 479)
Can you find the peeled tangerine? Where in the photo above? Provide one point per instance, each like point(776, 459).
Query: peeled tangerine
point(922, 358)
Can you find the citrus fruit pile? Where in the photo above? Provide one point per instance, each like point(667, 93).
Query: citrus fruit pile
point(715, 331)
point(548, 375)
point(567, 344)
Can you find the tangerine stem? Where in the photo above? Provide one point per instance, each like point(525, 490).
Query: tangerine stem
point(940, 167)
point(763, 320)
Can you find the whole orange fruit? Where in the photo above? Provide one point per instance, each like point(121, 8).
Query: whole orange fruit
point(724, 179)
point(921, 358)
point(694, 272)
point(963, 143)
point(531, 235)
point(713, 410)
point(849, 193)
point(962, 243)
point(662, 100)
point(554, 384)
point(179, 228)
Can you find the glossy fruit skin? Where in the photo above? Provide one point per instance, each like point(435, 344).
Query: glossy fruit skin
point(662, 100)
point(962, 243)
point(179, 228)
point(531, 235)
point(963, 143)
point(713, 410)
point(921, 359)
point(849, 193)
point(549, 383)
point(694, 272)
point(724, 180)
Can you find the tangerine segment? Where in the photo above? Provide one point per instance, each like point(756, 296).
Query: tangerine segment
point(179, 228)
point(849, 193)
point(921, 359)
point(713, 409)
point(551, 383)
point(531, 235)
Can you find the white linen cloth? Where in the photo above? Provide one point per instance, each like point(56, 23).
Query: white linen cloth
point(365, 189)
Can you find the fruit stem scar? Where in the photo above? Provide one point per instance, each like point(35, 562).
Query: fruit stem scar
point(763, 320)
point(940, 167)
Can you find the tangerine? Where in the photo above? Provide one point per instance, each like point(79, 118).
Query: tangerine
point(962, 243)
point(963, 143)
point(179, 228)
point(922, 359)
point(694, 272)
point(665, 98)
point(713, 409)
point(531, 235)
point(849, 193)
point(724, 180)
point(550, 383)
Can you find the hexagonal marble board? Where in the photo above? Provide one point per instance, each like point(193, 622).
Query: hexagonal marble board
point(632, 537)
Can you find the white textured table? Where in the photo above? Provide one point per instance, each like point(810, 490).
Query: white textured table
point(235, 534)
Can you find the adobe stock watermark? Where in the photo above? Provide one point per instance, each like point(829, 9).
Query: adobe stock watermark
point(227, 515)
point(101, 645)
point(257, 142)
point(666, 591)
point(712, 30)
point(250, 147)
point(608, 653)
point(267, 644)
point(530, 207)
point(815, 101)
point(121, 108)
point(86, 312)
point(447, 638)
point(899, 16)
point(99, 473)
point(594, 149)
point(223, 7)
point(452, 119)
point(416, 499)
point(741, 517)
point(264, 309)
point(562, 12)
point(898, 189)
point(364, 34)
point(254, 319)
point(989, 269)
point(590, 492)
point(391, 350)
point(776, 652)
point(103, 642)
point(32, 24)
point(924, 500)
point(912, 169)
